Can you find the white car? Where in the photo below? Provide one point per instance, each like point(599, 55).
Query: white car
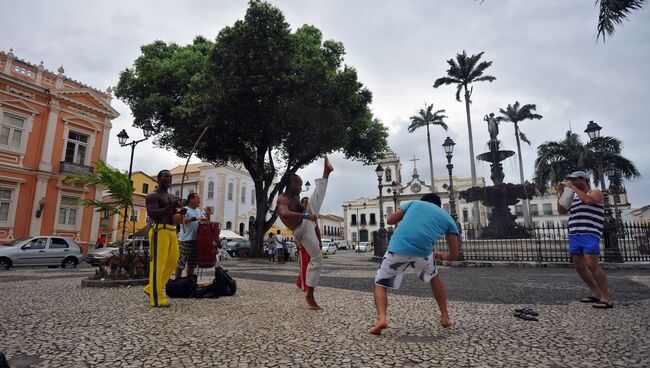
point(343, 244)
point(328, 249)
point(362, 247)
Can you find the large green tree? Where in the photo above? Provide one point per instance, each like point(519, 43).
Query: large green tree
point(556, 159)
point(426, 117)
point(464, 71)
point(515, 114)
point(272, 100)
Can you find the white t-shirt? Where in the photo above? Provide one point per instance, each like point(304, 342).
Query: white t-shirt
point(279, 239)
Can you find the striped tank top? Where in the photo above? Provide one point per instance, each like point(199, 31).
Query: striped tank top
point(586, 218)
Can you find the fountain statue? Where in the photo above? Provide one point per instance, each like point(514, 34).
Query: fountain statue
point(501, 222)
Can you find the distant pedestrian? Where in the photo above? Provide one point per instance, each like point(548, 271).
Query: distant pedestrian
point(422, 223)
point(279, 247)
point(586, 218)
point(224, 243)
point(271, 247)
point(101, 241)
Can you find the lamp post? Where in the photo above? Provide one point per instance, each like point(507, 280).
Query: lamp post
point(448, 146)
point(612, 252)
point(382, 230)
point(394, 186)
point(122, 137)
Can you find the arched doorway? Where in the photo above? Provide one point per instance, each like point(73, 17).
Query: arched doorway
point(241, 228)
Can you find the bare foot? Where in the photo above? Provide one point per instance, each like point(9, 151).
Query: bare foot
point(445, 322)
point(328, 167)
point(311, 303)
point(380, 325)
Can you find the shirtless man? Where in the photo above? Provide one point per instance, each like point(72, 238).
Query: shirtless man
point(302, 222)
point(161, 206)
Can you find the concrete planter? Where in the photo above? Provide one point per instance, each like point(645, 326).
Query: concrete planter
point(113, 283)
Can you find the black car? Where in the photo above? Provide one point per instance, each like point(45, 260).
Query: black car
point(239, 248)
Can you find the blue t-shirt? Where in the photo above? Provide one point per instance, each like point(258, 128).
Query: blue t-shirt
point(191, 228)
point(422, 225)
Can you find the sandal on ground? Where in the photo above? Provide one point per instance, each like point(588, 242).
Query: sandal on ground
point(526, 317)
point(603, 305)
point(590, 299)
point(528, 311)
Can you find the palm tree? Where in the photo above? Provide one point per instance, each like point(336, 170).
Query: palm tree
point(117, 185)
point(514, 114)
point(425, 117)
point(557, 159)
point(462, 72)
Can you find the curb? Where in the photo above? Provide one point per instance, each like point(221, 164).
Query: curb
point(113, 283)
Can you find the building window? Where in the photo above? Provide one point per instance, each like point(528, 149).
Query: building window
point(243, 194)
point(105, 215)
point(548, 209)
point(534, 211)
point(252, 197)
point(519, 210)
point(5, 203)
point(389, 176)
point(177, 193)
point(135, 215)
point(353, 220)
point(231, 188)
point(68, 211)
point(228, 225)
point(12, 131)
point(211, 190)
point(75, 149)
point(465, 215)
point(145, 188)
point(363, 219)
point(373, 220)
point(389, 210)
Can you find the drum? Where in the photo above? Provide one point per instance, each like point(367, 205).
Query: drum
point(207, 243)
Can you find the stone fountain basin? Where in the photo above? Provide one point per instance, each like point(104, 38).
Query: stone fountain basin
point(495, 157)
point(501, 194)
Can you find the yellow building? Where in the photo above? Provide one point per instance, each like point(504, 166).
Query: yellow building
point(111, 225)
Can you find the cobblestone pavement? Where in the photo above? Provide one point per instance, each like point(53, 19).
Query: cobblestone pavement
point(48, 320)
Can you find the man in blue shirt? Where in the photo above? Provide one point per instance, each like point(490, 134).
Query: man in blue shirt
point(422, 223)
point(188, 250)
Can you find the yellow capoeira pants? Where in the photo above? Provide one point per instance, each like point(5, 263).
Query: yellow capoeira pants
point(163, 253)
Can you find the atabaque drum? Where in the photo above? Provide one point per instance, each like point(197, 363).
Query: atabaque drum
point(207, 243)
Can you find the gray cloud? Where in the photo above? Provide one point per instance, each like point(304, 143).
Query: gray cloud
point(543, 53)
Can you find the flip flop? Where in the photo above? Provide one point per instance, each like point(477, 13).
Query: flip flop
point(526, 317)
point(590, 299)
point(528, 311)
point(603, 305)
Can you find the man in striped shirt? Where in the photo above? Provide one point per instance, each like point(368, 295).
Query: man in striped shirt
point(586, 218)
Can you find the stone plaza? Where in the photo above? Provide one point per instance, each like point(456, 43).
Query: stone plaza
point(49, 320)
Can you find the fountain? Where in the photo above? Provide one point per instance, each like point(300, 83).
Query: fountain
point(501, 222)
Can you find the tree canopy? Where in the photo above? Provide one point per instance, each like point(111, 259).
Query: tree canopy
point(273, 100)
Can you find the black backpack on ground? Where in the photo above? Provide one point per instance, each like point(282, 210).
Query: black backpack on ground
point(182, 287)
point(223, 285)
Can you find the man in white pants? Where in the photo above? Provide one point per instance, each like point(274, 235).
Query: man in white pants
point(302, 222)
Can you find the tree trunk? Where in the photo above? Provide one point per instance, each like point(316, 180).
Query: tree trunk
point(521, 176)
point(433, 188)
point(477, 222)
point(261, 225)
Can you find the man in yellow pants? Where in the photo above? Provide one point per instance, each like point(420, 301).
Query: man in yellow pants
point(163, 242)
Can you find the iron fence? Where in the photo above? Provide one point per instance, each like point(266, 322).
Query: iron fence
point(622, 242)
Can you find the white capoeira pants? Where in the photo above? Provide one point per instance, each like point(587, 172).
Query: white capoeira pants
point(305, 233)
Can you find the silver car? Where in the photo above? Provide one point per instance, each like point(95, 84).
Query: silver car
point(40, 251)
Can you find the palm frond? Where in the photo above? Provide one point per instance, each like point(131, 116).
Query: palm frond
point(523, 137)
point(613, 13)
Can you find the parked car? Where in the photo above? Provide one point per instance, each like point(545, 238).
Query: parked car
point(239, 248)
point(362, 247)
point(99, 256)
point(328, 249)
point(51, 251)
point(343, 244)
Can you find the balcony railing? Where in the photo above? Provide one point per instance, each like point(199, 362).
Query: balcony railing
point(74, 169)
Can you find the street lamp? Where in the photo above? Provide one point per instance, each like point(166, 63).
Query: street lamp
point(122, 137)
point(394, 186)
point(382, 230)
point(448, 146)
point(612, 252)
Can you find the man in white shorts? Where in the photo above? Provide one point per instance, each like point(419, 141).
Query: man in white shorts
point(422, 223)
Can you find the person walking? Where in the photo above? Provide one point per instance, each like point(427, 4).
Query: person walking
point(586, 218)
point(279, 247)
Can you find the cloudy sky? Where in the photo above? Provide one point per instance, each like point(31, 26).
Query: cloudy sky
point(543, 52)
